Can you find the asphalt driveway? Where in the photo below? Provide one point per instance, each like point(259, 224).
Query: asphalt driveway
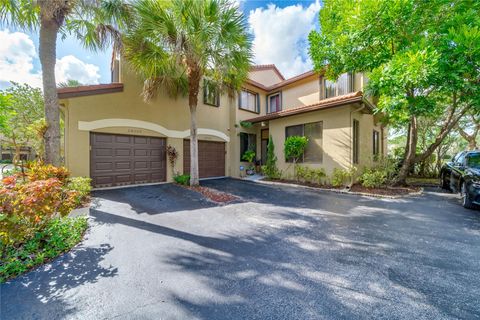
point(162, 252)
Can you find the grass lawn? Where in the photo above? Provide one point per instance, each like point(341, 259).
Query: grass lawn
point(422, 181)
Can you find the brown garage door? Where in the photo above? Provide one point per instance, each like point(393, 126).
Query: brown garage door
point(211, 158)
point(117, 160)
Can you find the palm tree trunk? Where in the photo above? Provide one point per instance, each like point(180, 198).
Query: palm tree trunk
point(194, 175)
point(194, 77)
point(47, 51)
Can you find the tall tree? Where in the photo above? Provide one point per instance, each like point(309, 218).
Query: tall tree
point(94, 22)
point(21, 109)
point(469, 129)
point(422, 59)
point(175, 44)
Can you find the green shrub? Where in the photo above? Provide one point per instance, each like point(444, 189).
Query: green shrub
point(183, 179)
point(270, 168)
point(248, 156)
point(343, 177)
point(294, 147)
point(58, 236)
point(310, 175)
point(82, 185)
point(372, 178)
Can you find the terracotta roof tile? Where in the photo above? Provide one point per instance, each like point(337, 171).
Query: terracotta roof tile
point(322, 104)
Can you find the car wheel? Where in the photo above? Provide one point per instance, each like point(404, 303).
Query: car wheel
point(466, 201)
point(445, 183)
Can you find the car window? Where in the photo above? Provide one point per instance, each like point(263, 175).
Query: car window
point(473, 160)
point(455, 159)
point(461, 159)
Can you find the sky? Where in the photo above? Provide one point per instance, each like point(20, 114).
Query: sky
point(279, 29)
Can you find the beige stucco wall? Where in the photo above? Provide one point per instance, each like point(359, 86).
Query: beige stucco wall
point(301, 94)
point(336, 138)
point(171, 114)
point(167, 117)
point(367, 125)
point(267, 77)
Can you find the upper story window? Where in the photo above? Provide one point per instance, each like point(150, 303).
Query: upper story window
point(343, 85)
point(211, 95)
point(274, 102)
point(249, 101)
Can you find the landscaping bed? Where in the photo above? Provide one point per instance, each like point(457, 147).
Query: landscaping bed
point(356, 188)
point(209, 193)
point(213, 195)
point(35, 225)
point(57, 237)
point(386, 191)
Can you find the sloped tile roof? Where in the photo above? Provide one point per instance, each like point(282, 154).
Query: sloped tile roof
point(320, 105)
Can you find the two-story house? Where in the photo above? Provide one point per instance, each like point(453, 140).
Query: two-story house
point(114, 137)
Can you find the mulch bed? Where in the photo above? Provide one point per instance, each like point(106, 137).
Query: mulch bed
point(303, 183)
point(214, 195)
point(383, 191)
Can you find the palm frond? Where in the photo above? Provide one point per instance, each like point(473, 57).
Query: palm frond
point(168, 39)
point(23, 14)
point(98, 24)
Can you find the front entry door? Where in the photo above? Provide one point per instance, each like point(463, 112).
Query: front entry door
point(263, 145)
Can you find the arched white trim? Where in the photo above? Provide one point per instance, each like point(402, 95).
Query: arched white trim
point(106, 123)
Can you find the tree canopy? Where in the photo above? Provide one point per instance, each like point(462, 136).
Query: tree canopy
point(21, 115)
point(422, 58)
point(95, 23)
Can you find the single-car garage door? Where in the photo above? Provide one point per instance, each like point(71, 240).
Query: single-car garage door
point(117, 160)
point(211, 158)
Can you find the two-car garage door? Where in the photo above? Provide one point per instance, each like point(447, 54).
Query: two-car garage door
point(117, 160)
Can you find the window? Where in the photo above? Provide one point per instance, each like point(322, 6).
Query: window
point(356, 140)
point(343, 85)
point(473, 160)
point(247, 142)
point(274, 102)
point(249, 101)
point(210, 94)
point(461, 159)
point(376, 144)
point(329, 89)
point(314, 132)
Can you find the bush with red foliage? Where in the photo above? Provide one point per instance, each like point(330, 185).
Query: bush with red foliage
point(25, 206)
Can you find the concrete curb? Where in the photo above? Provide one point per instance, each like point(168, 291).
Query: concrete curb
point(342, 191)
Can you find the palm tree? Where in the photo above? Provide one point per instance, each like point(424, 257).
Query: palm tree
point(176, 44)
point(94, 22)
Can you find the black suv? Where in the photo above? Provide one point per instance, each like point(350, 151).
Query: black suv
point(462, 174)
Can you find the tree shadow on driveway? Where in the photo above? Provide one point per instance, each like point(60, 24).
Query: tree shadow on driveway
point(42, 293)
point(154, 199)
